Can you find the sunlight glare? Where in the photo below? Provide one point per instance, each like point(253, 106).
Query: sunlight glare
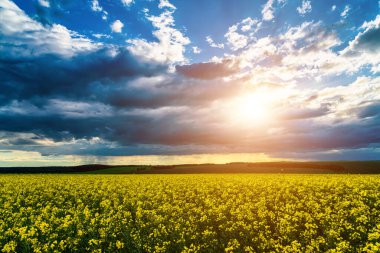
point(252, 109)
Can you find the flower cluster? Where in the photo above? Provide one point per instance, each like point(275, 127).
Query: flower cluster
point(190, 213)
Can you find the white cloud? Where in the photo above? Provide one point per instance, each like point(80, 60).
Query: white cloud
point(166, 4)
point(196, 50)
point(211, 43)
point(344, 13)
point(364, 49)
point(373, 24)
point(333, 8)
point(95, 6)
point(127, 2)
point(247, 24)
point(101, 35)
point(344, 99)
point(235, 39)
point(304, 8)
point(257, 51)
point(269, 8)
point(267, 11)
point(44, 3)
point(117, 26)
point(304, 51)
point(237, 35)
point(171, 43)
point(29, 38)
point(308, 51)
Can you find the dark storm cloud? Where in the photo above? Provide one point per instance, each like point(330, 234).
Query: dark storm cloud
point(173, 91)
point(369, 40)
point(370, 153)
point(308, 136)
point(370, 111)
point(51, 75)
point(21, 141)
point(208, 70)
point(366, 41)
point(162, 134)
point(125, 129)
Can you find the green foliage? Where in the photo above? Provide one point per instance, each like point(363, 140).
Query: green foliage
point(120, 170)
point(189, 213)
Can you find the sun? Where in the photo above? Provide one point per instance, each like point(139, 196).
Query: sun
point(252, 109)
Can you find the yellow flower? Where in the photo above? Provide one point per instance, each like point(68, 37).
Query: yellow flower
point(9, 247)
point(119, 244)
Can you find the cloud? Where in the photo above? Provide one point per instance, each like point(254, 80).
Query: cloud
point(371, 110)
point(77, 109)
point(95, 6)
point(120, 132)
point(248, 23)
point(304, 51)
point(166, 4)
point(267, 11)
point(304, 113)
point(25, 37)
point(211, 43)
point(238, 36)
point(127, 2)
point(364, 48)
point(344, 13)
point(208, 70)
point(352, 102)
point(368, 40)
point(358, 154)
point(270, 7)
point(101, 35)
point(78, 76)
point(171, 43)
point(307, 51)
point(235, 39)
point(117, 26)
point(47, 11)
point(44, 3)
point(333, 8)
point(304, 8)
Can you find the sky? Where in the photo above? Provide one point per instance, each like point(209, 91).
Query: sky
point(165, 82)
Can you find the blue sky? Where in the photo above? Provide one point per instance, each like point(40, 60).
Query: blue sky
point(171, 81)
point(198, 19)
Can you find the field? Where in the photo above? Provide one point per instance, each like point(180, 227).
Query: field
point(190, 213)
point(314, 167)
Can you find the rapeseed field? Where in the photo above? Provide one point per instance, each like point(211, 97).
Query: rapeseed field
point(190, 213)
